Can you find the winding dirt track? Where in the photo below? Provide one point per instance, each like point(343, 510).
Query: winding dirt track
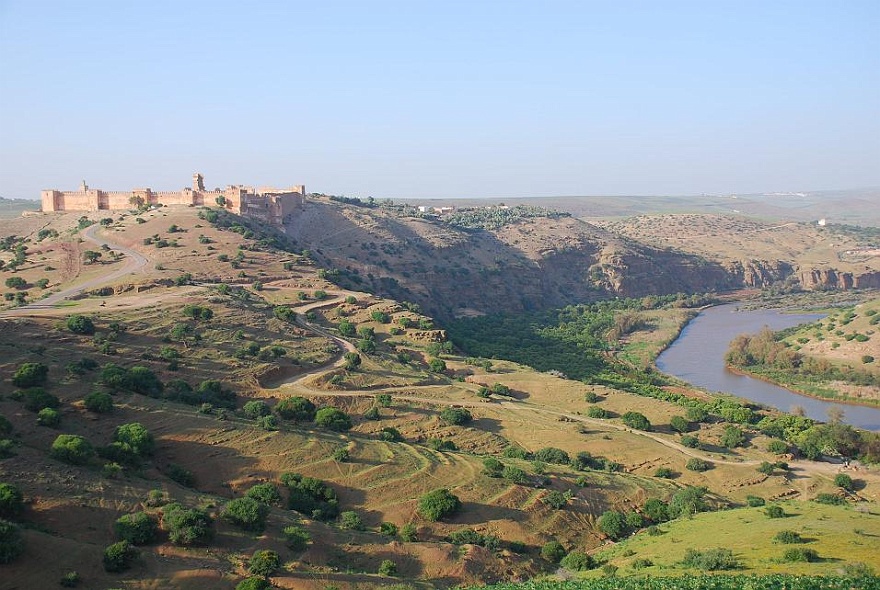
point(134, 261)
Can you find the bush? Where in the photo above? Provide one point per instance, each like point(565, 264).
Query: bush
point(698, 465)
point(186, 526)
point(390, 434)
point(180, 474)
point(37, 398)
point(766, 468)
point(552, 455)
point(118, 556)
point(409, 533)
point(711, 559)
point(687, 502)
point(829, 499)
point(774, 511)
point(341, 455)
point(70, 580)
point(437, 504)
point(613, 524)
point(387, 568)
point(597, 412)
point(296, 538)
point(80, 324)
point(788, 537)
point(30, 374)
point(777, 447)
point(556, 499)
point(351, 520)
point(664, 473)
point(656, 510)
point(266, 493)
point(254, 584)
point(333, 419)
point(755, 501)
point(245, 513)
point(98, 402)
point(73, 449)
point(492, 467)
point(16, 283)
point(679, 424)
point(10, 542)
point(264, 563)
point(5, 427)
point(256, 409)
point(800, 554)
point(138, 529)
point(514, 475)
point(437, 365)
point(389, 529)
point(553, 551)
point(577, 561)
point(692, 442)
point(49, 417)
point(843, 481)
point(732, 437)
point(636, 420)
point(310, 496)
point(298, 409)
point(456, 416)
point(11, 501)
point(136, 438)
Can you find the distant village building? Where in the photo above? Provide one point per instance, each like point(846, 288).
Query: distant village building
point(271, 205)
point(821, 222)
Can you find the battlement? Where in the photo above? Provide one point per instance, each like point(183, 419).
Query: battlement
point(271, 205)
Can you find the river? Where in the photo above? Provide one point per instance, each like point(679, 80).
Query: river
point(697, 356)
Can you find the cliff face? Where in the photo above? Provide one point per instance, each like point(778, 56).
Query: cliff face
point(833, 279)
point(758, 273)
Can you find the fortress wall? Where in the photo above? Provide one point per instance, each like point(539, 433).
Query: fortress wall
point(116, 200)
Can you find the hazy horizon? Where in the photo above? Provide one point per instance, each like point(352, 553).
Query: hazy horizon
point(410, 101)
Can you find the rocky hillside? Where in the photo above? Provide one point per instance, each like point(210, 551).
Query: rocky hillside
point(526, 263)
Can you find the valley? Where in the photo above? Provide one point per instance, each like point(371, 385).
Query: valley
point(376, 351)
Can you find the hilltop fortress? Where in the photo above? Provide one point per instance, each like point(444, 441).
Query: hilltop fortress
point(274, 206)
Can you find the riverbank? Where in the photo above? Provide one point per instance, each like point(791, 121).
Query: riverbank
point(794, 388)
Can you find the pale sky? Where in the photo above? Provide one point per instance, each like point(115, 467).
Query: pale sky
point(418, 99)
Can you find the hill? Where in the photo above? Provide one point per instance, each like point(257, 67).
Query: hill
point(206, 330)
point(15, 207)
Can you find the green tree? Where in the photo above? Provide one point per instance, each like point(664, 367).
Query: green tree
point(11, 501)
point(91, 257)
point(118, 556)
point(612, 524)
point(333, 419)
point(298, 409)
point(577, 561)
point(844, 481)
point(72, 448)
point(438, 504)
point(245, 513)
point(256, 409)
point(296, 538)
point(138, 528)
point(98, 402)
point(49, 417)
point(351, 520)
point(37, 398)
point(456, 416)
point(732, 437)
point(266, 493)
point(264, 563)
point(80, 324)
point(30, 374)
point(553, 551)
point(387, 568)
point(186, 526)
point(679, 424)
point(136, 437)
point(636, 420)
point(352, 361)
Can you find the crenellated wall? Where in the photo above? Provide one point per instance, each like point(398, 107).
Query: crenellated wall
point(275, 206)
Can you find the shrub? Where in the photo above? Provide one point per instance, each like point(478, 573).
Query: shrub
point(310, 496)
point(72, 448)
point(5, 427)
point(456, 416)
point(692, 442)
point(118, 556)
point(264, 563)
point(612, 524)
point(437, 365)
point(341, 455)
point(492, 467)
point(577, 561)
point(802, 554)
point(777, 447)
point(687, 502)
point(372, 413)
point(256, 409)
point(597, 412)
point(80, 324)
point(30, 374)
point(254, 584)
point(711, 559)
point(180, 474)
point(98, 402)
point(698, 465)
point(296, 538)
point(755, 501)
point(774, 511)
point(298, 409)
point(37, 398)
point(409, 533)
point(679, 424)
point(333, 419)
point(553, 551)
point(11, 501)
point(266, 493)
point(138, 528)
point(656, 510)
point(351, 520)
point(10, 542)
point(352, 361)
point(387, 568)
point(390, 434)
point(829, 499)
point(245, 513)
point(843, 481)
point(636, 420)
point(16, 283)
point(389, 529)
point(788, 537)
point(437, 504)
point(766, 468)
point(514, 474)
point(732, 437)
point(552, 455)
point(49, 417)
point(70, 580)
point(136, 437)
point(664, 473)
point(186, 526)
